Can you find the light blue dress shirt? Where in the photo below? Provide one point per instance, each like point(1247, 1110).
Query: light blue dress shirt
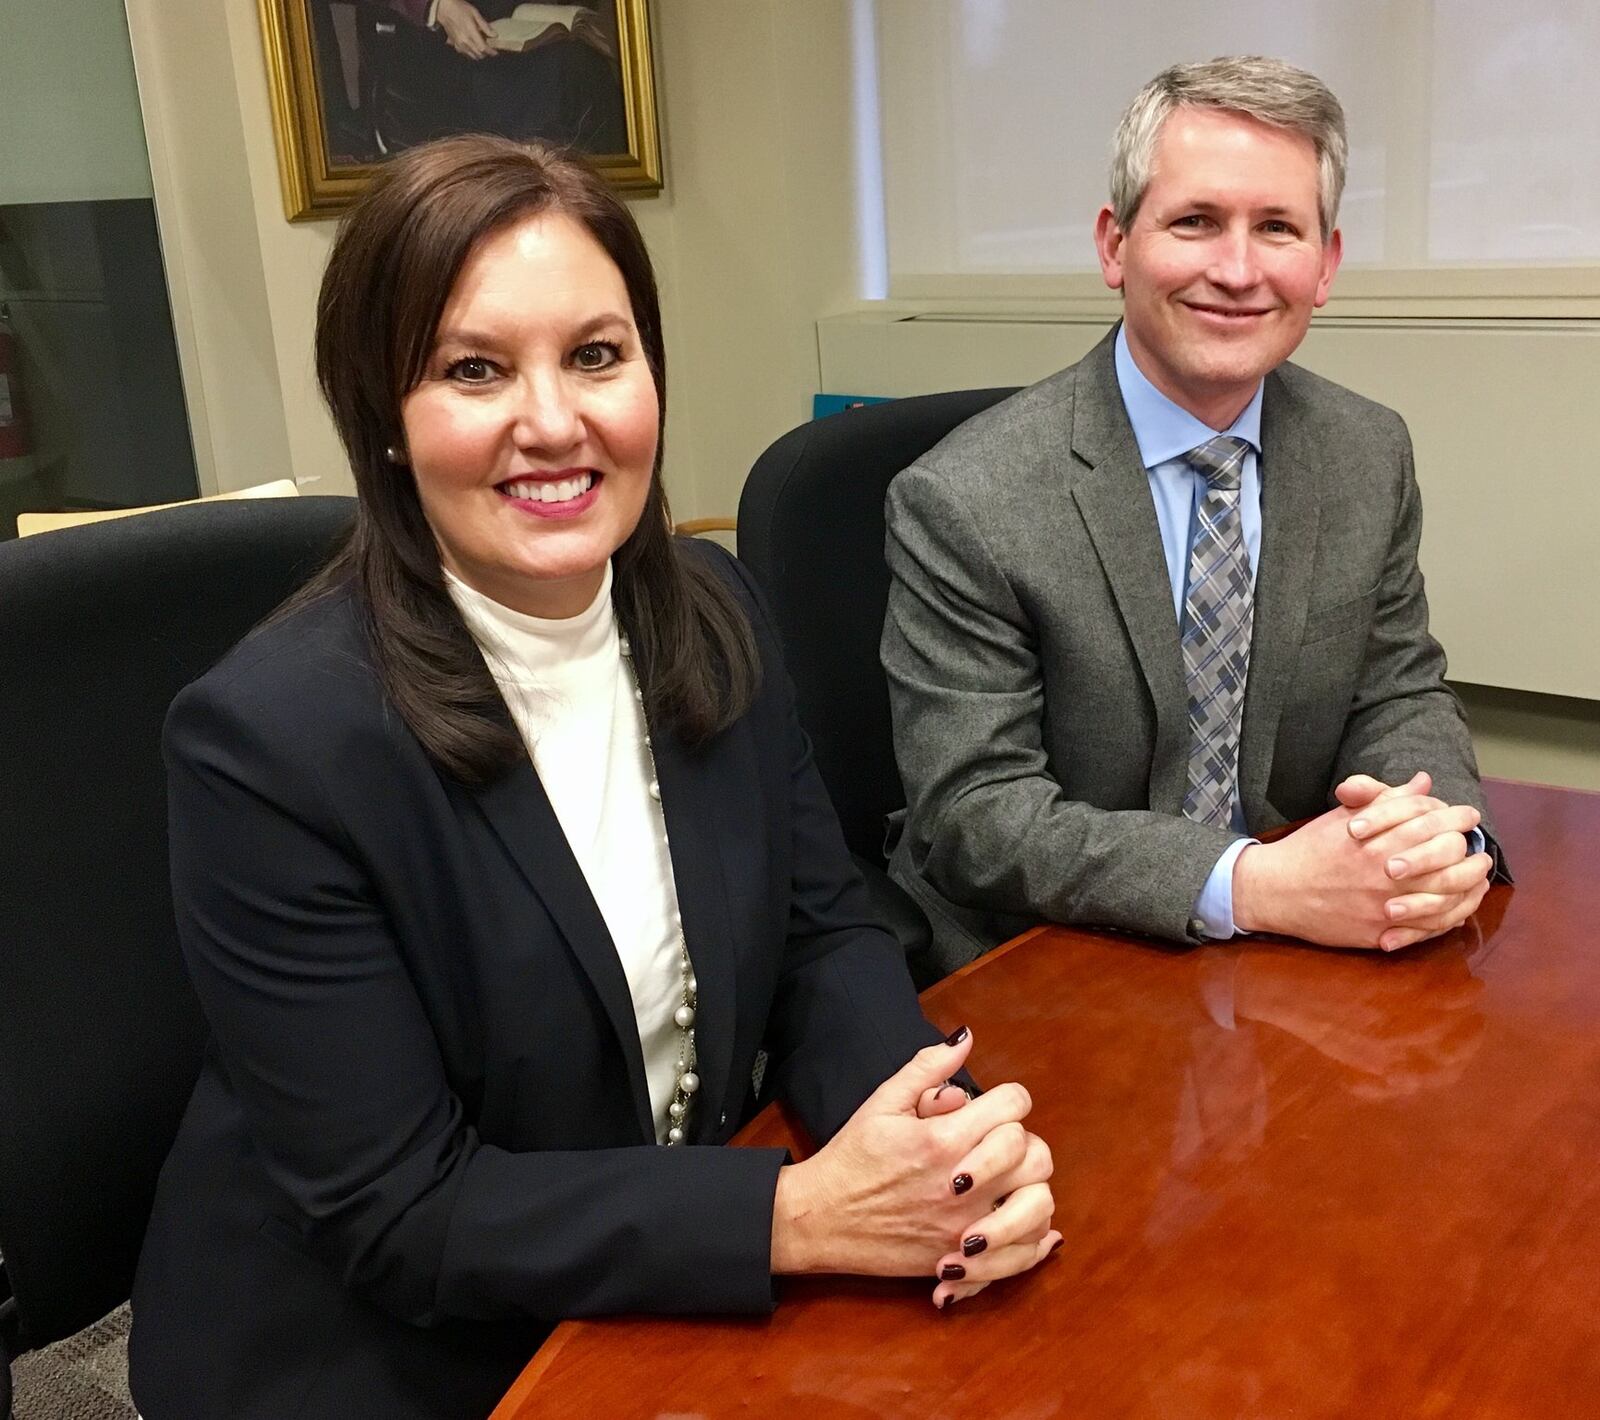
point(1165, 433)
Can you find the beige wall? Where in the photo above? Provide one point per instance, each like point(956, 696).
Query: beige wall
point(753, 240)
point(752, 237)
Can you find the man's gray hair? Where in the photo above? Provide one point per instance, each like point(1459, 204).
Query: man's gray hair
point(1267, 90)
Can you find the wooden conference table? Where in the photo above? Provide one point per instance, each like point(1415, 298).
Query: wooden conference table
point(1292, 1183)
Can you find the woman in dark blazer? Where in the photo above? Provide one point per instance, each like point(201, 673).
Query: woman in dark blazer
point(448, 1099)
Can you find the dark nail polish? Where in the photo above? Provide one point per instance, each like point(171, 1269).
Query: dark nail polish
point(961, 1183)
point(1001, 1199)
point(972, 1246)
point(956, 1036)
point(1055, 1247)
point(952, 1272)
point(945, 1300)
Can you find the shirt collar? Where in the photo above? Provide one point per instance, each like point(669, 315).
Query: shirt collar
point(524, 649)
point(1164, 430)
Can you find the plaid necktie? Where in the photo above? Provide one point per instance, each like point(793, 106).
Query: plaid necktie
point(1218, 613)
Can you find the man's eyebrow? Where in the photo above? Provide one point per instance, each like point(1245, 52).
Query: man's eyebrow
point(1191, 204)
point(1210, 205)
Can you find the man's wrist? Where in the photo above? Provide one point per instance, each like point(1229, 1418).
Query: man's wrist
point(1213, 916)
point(1249, 911)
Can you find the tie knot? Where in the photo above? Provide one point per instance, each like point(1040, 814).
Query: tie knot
point(1220, 461)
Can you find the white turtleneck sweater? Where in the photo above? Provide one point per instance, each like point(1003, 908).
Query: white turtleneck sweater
point(573, 702)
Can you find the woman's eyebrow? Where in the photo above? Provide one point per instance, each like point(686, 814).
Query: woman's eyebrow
point(465, 335)
point(461, 335)
point(604, 321)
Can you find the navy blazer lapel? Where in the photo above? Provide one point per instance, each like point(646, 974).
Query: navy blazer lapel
point(690, 800)
point(519, 811)
point(1120, 515)
point(1290, 517)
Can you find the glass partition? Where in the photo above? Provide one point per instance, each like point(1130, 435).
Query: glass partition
point(92, 413)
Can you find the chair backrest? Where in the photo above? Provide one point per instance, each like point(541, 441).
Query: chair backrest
point(811, 533)
point(31, 524)
point(100, 1037)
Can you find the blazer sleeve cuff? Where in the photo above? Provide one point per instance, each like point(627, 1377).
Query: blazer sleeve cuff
point(728, 1230)
point(1488, 843)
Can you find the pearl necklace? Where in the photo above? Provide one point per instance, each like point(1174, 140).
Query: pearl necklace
point(687, 1084)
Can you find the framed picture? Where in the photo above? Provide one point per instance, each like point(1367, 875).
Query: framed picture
point(353, 82)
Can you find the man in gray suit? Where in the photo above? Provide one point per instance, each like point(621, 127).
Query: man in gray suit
point(1168, 598)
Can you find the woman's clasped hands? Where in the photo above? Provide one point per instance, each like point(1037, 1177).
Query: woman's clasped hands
point(921, 1181)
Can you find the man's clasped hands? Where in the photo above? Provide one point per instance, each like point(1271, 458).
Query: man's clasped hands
point(1389, 867)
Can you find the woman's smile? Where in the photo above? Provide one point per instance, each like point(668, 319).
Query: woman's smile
point(553, 495)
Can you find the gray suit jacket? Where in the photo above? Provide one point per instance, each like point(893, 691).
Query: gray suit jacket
point(1035, 676)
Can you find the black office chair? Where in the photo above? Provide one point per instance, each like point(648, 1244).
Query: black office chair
point(811, 532)
point(100, 1037)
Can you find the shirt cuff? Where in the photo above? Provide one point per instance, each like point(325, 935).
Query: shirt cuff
point(433, 14)
point(1213, 909)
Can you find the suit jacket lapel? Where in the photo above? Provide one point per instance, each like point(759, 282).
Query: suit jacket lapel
point(519, 810)
point(690, 799)
point(1120, 516)
point(1290, 515)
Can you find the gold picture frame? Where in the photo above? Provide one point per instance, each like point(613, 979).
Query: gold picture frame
point(329, 149)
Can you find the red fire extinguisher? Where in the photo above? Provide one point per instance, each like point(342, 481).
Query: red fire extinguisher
point(15, 439)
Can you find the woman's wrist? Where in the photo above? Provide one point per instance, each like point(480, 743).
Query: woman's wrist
point(795, 1245)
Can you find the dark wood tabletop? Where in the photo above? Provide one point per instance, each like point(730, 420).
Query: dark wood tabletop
point(1292, 1182)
